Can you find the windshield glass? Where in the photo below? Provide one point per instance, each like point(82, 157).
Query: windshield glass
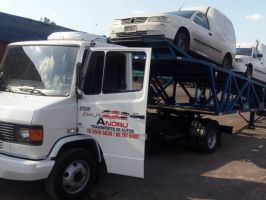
point(45, 70)
point(244, 51)
point(185, 14)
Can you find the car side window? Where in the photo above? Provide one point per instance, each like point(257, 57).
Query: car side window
point(202, 20)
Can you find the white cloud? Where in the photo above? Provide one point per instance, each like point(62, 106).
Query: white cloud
point(256, 17)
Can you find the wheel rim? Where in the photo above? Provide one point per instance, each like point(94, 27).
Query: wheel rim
point(212, 138)
point(76, 176)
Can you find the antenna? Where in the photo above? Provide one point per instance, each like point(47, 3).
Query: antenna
point(185, 1)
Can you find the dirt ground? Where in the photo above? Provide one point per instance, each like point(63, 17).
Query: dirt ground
point(237, 170)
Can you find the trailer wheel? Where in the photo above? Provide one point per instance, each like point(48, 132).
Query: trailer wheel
point(72, 176)
point(211, 139)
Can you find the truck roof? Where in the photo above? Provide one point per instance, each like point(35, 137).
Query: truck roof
point(69, 39)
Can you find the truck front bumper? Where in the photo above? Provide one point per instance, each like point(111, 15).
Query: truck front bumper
point(25, 170)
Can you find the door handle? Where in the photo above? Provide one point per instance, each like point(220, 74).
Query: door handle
point(137, 116)
point(210, 34)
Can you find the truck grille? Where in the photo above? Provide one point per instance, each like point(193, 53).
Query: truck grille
point(7, 132)
point(134, 20)
point(1, 145)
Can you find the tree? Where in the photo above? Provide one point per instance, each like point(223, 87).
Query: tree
point(46, 20)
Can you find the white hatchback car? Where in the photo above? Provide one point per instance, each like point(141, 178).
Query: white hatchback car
point(203, 31)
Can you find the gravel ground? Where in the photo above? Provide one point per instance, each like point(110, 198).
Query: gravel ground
point(237, 170)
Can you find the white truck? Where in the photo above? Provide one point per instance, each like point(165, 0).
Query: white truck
point(70, 104)
point(251, 60)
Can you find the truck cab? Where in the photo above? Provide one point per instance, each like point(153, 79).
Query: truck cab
point(69, 104)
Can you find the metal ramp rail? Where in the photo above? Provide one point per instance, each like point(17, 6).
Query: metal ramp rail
point(209, 89)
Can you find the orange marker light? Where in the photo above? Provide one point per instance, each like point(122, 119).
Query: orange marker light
point(36, 135)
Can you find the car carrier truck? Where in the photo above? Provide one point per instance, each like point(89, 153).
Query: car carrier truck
point(71, 104)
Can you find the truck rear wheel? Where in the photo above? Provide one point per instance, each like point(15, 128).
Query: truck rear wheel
point(208, 143)
point(204, 136)
point(72, 176)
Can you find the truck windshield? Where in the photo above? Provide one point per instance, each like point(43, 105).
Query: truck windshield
point(39, 70)
point(185, 14)
point(244, 51)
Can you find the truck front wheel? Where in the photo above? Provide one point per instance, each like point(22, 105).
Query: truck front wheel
point(72, 176)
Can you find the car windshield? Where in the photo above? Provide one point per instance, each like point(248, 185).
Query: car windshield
point(39, 70)
point(185, 14)
point(244, 51)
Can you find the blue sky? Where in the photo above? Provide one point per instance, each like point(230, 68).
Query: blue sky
point(96, 16)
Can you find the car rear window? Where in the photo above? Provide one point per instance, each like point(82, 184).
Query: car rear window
point(185, 14)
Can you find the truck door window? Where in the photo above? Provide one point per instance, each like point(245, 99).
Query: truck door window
point(202, 20)
point(93, 78)
point(123, 72)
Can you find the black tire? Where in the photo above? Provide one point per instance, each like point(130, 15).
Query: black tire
point(72, 176)
point(227, 62)
point(249, 72)
point(182, 41)
point(211, 139)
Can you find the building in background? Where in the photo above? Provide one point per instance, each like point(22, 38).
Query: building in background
point(14, 29)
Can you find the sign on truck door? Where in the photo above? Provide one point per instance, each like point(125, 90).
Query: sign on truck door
point(112, 109)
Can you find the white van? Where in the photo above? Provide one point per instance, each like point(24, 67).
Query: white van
point(204, 31)
point(250, 60)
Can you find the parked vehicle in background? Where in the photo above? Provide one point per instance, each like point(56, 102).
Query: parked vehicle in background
point(202, 31)
point(250, 60)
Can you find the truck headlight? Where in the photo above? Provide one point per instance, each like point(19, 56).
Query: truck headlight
point(159, 19)
point(30, 135)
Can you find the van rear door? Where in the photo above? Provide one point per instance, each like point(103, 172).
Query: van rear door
point(112, 109)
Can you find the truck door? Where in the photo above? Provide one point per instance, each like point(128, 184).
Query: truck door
point(112, 109)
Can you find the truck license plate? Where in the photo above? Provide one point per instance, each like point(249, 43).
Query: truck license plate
point(130, 28)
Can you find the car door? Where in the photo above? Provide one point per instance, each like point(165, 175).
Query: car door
point(202, 35)
point(112, 109)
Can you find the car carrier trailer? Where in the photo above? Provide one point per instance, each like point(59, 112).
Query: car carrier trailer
point(71, 104)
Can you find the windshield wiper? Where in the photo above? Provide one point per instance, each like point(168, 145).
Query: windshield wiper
point(32, 90)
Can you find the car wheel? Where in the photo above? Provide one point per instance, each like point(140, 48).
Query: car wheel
point(182, 41)
point(72, 175)
point(249, 72)
point(227, 62)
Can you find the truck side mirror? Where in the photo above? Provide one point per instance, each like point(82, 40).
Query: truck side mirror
point(78, 79)
point(260, 55)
